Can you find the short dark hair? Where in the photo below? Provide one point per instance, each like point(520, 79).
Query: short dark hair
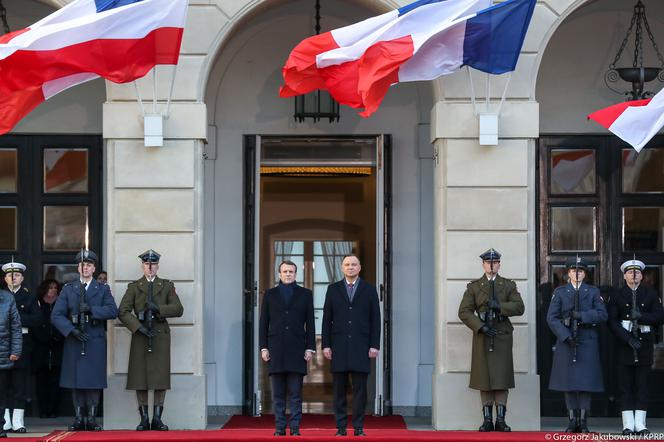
point(287, 262)
point(351, 255)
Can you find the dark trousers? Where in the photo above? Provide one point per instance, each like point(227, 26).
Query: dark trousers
point(4, 388)
point(577, 400)
point(359, 382)
point(48, 390)
point(281, 384)
point(86, 397)
point(633, 387)
point(18, 388)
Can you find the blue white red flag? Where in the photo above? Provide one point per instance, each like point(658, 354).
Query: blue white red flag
point(421, 41)
point(119, 40)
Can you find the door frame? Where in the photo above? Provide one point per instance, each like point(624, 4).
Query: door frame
point(251, 404)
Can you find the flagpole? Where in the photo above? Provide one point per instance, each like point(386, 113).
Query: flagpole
point(170, 94)
point(472, 90)
point(488, 92)
point(154, 90)
point(502, 99)
point(140, 100)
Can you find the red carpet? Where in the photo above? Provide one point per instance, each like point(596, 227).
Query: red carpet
point(265, 435)
point(315, 421)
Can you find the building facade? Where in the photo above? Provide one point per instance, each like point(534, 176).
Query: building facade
point(415, 195)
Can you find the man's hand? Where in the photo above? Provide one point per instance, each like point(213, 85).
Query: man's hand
point(635, 315)
point(147, 332)
point(635, 343)
point(14, 357)
point(265, 354)
point(489, 331)
point(84, 308)
point(327, 352)
point(79, 335)
point(308, 355)
point(576, 315)
point(571, 342)
point(494, 305)
point(152, 307)
point(373, 353)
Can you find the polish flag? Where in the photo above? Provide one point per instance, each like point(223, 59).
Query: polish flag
point(421, 41)
point(119, 40)
point(636, 122)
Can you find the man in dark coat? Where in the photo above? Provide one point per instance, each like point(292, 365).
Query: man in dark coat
point(492, 367)
point(80, 314)
point(635, 311)
point(19, 377)
point(351, 338)
point(576, 369)
point(150, 352)
point(287, 341)
point(10, 346)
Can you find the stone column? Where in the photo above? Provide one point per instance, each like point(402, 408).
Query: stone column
point(484, 196)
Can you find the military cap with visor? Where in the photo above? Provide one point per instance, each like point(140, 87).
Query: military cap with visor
point(150, 256)
point(490, 255)
point(86, 256)
point(13, 267)
point(632, 264)
point(576, 262)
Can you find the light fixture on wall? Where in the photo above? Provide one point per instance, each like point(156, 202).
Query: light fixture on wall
point(637, 75)
point(317, 104)
point(3, 17)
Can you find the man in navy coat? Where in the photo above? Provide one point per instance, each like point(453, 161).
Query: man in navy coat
point(80, 314)
point(288, 341)
point(577, 370)
point(351, 338)
point(634, 329)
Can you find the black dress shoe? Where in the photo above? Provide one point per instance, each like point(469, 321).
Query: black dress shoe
point(295, 432)
point(341, 432)
point(3, 433)
point(359, 432)
point(279, 433)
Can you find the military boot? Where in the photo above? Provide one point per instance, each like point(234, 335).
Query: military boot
point(157, 424)
point(573, 425)
point(500, 419)
point(92, 424)
point(79, 423)
point(487, 413)
point(145, 419)
point(583, 421)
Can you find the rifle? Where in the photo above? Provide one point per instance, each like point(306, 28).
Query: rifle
point(491, 315)
point(149, 312)
point(634, 329)
point(575, 322)
point(80, 319)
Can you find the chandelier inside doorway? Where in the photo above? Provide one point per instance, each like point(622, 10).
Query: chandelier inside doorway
point(637, 74)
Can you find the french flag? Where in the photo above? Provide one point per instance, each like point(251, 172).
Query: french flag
point(421, 41)
point(119, 40)
point(636, 122)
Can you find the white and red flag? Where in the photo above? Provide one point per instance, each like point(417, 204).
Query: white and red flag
point(119, 40)
point(636, 122)
point(357, 64)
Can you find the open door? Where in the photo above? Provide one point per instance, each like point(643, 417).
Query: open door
point(383, 402)
point(252, 390)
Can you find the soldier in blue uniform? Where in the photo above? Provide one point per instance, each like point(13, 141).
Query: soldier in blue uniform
point(634, 330)
point(576, 370)
point(80, 314)
point(10, 345)
point(19, 375)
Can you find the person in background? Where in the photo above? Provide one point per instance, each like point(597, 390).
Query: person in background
point(10, 346)
point(102, 277)
point(28, 308)
point(47, 354)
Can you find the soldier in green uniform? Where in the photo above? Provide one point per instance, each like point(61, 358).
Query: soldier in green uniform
point(485, 308)
point(143, 310)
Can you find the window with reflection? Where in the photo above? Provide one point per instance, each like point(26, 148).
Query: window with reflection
point(560, 276)
point(572, 171)
point(573, 229)
point(64, 227)
point(8, 228)
point(8, 170)
point(61, 272)
point(289, 251)
point(642, 229)
point(65, 170)
point(643, 172)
